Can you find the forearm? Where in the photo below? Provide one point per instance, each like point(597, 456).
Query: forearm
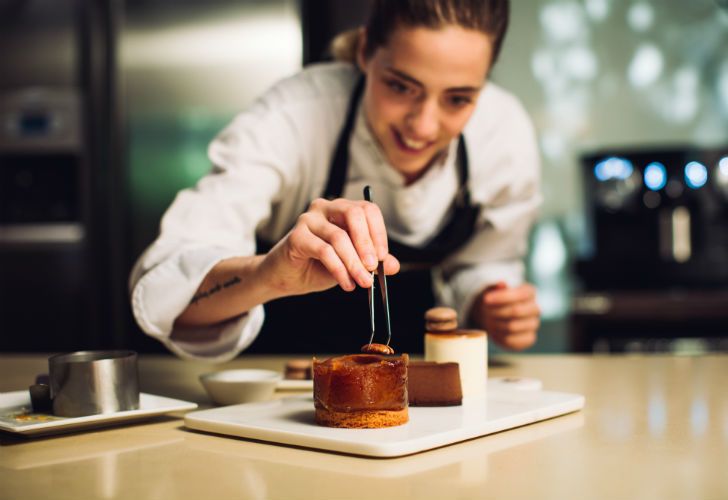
point(231, 288)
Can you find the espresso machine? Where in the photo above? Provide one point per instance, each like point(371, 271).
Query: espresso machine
point(658, 219)
point(656, 273)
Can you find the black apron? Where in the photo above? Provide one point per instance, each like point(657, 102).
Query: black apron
point(335, 321)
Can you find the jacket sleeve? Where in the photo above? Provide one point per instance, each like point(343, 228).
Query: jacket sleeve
point(254, 160)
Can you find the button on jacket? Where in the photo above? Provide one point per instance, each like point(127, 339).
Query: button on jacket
point(273, 160)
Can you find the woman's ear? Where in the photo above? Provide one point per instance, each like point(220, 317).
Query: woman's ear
point(361, 49)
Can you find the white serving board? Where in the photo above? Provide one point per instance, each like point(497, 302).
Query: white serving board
point(294, 385)
point(290, 421)
point(17, 403)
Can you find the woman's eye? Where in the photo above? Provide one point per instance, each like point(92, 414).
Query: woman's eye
point(459, 101)
point(397, 87)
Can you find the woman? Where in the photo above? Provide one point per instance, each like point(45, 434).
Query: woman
point(454, 170)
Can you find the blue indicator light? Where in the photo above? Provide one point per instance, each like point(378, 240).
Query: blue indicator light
point(613, 168)
point(655, 176)
point(696, 175)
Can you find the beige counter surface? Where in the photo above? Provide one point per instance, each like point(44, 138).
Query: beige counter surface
point(652, 428)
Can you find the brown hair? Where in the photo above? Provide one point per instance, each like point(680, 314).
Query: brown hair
point(487, 16)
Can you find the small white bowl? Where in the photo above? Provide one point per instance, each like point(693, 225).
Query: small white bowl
point(230, 387)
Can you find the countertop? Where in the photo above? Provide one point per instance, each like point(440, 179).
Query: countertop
point(653, 427)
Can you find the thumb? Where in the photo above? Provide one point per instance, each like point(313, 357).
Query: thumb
point(500, 285)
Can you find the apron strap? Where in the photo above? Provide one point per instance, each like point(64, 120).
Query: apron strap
point(340, 161)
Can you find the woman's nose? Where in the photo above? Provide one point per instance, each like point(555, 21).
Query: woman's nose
point(423, 120)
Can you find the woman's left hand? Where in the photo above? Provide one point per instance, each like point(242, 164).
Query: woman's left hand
point(511, 316)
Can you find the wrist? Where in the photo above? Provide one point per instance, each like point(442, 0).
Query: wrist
point(264, 285)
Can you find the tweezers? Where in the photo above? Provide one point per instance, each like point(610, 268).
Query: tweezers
point(382, 278)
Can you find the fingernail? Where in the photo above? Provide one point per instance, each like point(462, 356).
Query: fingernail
point(370, 261)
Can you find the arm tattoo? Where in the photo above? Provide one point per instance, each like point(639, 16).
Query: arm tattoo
point(227, 284)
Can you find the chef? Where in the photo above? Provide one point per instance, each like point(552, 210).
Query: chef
point(277, 243)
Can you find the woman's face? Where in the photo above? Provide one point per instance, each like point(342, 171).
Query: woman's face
point(421, 89)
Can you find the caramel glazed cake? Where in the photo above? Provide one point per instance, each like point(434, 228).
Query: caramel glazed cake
point(361, 391)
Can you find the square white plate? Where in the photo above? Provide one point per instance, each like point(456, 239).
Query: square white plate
point(294, 385)
point(16, 416)
point(290, 421)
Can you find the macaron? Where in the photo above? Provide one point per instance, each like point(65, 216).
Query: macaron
point(441, 319)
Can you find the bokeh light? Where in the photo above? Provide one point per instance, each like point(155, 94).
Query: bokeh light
point(655, 176)
point(696, 174)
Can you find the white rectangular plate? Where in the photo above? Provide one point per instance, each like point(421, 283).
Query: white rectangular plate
point(294, 385)
point(15, 404)
point(291, 421)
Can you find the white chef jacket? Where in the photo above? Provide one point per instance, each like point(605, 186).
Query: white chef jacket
point(273, 160)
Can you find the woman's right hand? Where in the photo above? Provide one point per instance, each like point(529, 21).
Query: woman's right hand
point(333, 242)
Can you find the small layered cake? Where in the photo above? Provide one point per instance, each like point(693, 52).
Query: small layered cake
point(434, 384)
point(361, 391)
point(444, 342)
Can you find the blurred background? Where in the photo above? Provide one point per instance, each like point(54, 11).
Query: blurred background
point(107, 108)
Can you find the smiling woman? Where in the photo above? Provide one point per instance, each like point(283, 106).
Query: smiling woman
point(421, 90)
point(452, 160)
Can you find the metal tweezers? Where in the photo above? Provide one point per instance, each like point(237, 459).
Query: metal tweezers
point(382, 278)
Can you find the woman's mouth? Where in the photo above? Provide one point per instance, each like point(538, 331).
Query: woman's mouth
point(409, 145)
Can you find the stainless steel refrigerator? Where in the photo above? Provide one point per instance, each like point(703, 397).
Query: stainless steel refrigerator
point(106, 110)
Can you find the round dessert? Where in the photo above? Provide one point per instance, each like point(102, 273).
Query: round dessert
point(361, 391)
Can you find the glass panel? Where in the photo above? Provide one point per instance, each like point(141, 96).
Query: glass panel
point(187, 68)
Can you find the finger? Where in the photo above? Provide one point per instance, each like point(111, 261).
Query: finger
point(377, 229)
point(356, 224)
point(501, 285)
point(515, 310)
point(313, 247)
point(391, 265)
point(518, 342)
point(339, 239)
point(509, 295)
point(517, 326)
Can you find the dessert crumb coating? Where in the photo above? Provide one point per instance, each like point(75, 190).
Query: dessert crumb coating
point(361, 390)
